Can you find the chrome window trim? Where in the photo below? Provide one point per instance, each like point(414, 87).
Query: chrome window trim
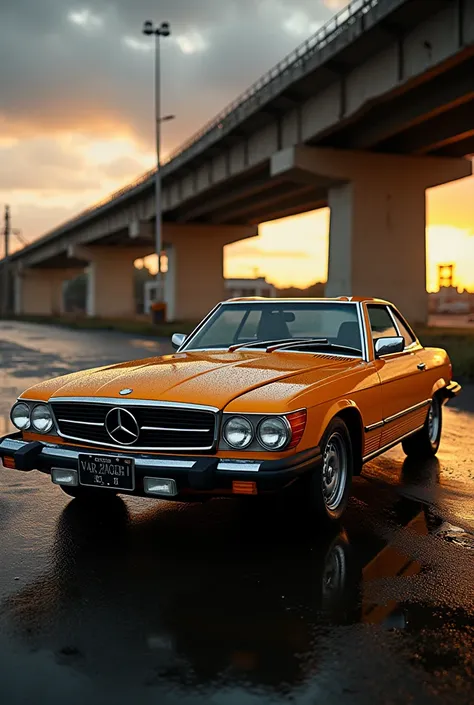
point(194, 332)
point(293, 352)
point(272, 302)
point(363, 332)
point(135, 402)
point(388, 355)
point(277, 300)
point(392, 309)
point(396, 416)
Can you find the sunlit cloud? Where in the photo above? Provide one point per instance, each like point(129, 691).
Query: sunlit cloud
point(335, 4)
point(191, 43)
point(85, 18)
point(299, 25)
point(137, 44)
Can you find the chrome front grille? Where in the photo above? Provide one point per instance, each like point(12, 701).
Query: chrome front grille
point(160, 427)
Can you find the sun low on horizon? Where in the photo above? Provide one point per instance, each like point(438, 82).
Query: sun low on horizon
point(66, 144)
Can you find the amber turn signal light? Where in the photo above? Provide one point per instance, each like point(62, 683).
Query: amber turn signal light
point(297, 421)
point(239, 487)
point(9, 462)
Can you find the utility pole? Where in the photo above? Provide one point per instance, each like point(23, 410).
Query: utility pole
point(5, 272)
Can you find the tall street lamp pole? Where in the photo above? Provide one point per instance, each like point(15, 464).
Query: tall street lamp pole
point(162, 30)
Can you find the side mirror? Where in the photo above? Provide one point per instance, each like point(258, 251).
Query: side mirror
point(389, 346)
point(177, 340)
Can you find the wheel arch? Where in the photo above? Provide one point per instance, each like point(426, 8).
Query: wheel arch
point(348, 412)
point(439, 385)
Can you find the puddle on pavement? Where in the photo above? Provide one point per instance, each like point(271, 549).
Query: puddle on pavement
point(214, 596)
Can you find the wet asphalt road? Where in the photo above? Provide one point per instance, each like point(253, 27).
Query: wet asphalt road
point(148, 602)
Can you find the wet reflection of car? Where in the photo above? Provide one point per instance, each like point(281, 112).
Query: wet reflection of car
point(206, 596)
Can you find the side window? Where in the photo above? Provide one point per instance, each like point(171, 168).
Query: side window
point(381, 322)
point(407, 334)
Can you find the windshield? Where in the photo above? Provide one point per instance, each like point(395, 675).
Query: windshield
point(262, 322)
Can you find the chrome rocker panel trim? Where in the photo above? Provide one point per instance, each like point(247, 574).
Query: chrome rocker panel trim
point(399, 415)
point(392, 444)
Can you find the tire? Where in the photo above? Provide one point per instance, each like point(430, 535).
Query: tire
point(425, 443)
point(87, 493)
point(330, 486)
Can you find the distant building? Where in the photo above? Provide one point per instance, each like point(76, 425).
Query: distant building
point(233, 289)
point(449, 300)
point(249, 287)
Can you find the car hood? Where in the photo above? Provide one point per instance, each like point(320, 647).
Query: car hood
point(210, 378)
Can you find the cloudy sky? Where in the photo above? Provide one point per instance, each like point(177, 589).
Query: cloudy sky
point(76, 107)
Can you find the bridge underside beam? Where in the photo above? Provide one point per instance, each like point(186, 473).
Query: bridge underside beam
point(194, 282)
point(377, 244)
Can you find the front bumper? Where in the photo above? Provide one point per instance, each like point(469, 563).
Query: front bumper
point(193, 475)
point(450, 391)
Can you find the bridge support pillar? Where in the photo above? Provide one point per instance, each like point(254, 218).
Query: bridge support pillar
point(377, 238)
point(39, 292)
point(111, 283)
point(194, 282)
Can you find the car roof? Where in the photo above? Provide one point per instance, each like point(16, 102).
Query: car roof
point(354, 299)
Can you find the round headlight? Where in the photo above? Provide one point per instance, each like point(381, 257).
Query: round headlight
point(238, 432)
point(20, 416)
point(42, 418)
point(273, 432)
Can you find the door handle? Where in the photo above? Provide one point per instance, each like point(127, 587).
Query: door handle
point(421, 366)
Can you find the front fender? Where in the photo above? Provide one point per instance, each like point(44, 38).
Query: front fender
point(320, 416)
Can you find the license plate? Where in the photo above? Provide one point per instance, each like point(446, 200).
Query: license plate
point(106, 471)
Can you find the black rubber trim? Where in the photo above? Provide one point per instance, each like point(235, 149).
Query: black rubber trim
point(26, 457)
point(202, 475)
point(273, 474)
point(451, 389)
point(311, 454)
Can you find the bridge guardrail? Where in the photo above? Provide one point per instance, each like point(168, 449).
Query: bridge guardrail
point(245, 103)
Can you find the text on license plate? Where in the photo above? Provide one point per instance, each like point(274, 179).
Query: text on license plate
point(105, 471)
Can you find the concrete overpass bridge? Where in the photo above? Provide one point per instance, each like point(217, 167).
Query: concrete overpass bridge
point(366, 115)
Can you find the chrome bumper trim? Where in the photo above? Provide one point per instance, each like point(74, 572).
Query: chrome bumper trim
point(55, 451)
point(238, 466)
point(12, 444)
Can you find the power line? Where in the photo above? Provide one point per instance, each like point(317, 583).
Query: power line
point(21, 238)
point(6, 272)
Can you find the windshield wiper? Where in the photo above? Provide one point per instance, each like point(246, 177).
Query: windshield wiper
point(261, 343)
point(316, 343)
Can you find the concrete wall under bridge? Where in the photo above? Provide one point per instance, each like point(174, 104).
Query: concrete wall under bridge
point(376, 247)
point(363, 117)
point(377, 235)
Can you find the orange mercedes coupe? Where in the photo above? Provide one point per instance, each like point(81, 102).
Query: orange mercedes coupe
point(263, 396)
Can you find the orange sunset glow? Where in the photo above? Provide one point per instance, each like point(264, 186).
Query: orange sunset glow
point(76, 122)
